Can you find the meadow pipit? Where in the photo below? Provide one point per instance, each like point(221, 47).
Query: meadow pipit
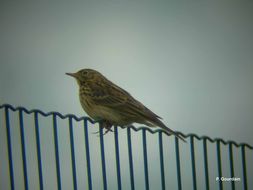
point(104, 101)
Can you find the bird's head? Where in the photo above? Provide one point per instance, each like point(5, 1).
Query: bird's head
point(85, 75)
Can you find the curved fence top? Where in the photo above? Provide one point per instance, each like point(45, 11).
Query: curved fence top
point(190, 135)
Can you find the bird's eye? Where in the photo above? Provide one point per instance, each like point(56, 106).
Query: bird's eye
point(84, 73)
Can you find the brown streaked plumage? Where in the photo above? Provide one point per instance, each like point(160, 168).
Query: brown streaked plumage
point(104, 101)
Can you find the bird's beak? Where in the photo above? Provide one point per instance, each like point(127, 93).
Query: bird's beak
point(72, 74)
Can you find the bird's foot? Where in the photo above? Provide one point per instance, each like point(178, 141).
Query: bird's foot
point(104, 124)
point(104, 132)
point(107, 130)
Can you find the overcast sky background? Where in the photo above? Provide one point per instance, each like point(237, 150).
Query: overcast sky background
point(189, 63)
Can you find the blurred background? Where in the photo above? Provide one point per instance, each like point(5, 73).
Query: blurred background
point(189, 63)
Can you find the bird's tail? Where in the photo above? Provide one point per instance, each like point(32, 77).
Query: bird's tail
point(165, 128)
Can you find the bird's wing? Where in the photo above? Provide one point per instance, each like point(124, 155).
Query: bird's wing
point(110, 95)
point(105, 95)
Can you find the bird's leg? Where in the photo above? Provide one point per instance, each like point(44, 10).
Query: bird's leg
point(108, 128)
point(104, 124)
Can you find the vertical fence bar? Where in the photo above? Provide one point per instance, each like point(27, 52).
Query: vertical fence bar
point(117, 157)
point(206, 164)
point(161, 160)
point(219, 164)
point(103, 157)
point(193, 163)
point(57, 160)
point(37, 133)
point(145, 159)
point(130, 156)
point(22, 136)
point(8, 133)
point(179, 183)
point(72, 147)
point(244, 169)
point(231, 164)
point(87, 149)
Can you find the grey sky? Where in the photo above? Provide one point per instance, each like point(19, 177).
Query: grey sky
point(189, 63)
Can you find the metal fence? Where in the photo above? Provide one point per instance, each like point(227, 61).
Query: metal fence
point(206, 167)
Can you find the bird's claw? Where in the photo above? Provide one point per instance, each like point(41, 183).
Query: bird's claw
point(106, 125)
point(104, 132)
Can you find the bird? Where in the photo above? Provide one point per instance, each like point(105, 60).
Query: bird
point(111, 105)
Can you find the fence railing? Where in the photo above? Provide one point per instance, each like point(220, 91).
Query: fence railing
point(205, 171)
